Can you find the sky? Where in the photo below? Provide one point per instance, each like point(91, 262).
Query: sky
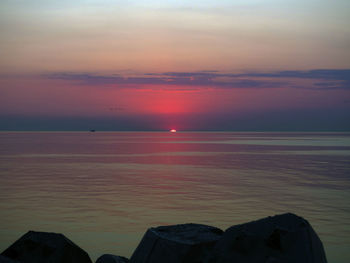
point(252, 65)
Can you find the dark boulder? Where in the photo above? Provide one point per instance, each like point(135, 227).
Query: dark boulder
point(42, 247)
point(108, 258)
point(283, 238)
point(187, 243)
point(7, 260)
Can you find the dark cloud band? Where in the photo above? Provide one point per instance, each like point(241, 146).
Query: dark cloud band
point(320, 79)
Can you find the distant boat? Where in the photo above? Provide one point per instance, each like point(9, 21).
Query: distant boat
point(92, 130)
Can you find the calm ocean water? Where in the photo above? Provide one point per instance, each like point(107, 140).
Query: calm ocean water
point(103, 190)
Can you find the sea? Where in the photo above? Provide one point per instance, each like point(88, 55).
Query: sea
point(103, 190)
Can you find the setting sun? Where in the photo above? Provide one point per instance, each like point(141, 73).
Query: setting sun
point(172, 130)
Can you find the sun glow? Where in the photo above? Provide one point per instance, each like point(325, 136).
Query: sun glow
point(172, 130)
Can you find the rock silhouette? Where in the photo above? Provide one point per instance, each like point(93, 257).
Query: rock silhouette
point(42, 247)
point(108, 258)
point(177, 243)
point(285, 238)
point(7, 260)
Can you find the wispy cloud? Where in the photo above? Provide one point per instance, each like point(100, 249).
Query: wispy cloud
point(318, 79)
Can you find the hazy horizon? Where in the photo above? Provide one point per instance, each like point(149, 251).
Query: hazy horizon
point(284, 121)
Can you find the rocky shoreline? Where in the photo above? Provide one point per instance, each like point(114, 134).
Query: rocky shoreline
point(285, 238)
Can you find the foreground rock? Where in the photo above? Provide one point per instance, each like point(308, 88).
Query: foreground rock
point(187, 243)
point(42, 247)
point(108, 258)
point(7, 260)
point(283, 238)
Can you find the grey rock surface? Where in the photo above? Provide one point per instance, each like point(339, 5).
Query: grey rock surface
point(43, 247)
point(108, 258)
point(186, 243)
point(7, 260)
point(285, 238)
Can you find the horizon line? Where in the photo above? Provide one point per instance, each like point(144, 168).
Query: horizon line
point(184, 131)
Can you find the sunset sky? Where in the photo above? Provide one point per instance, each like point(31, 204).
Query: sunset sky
point(250, 65)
